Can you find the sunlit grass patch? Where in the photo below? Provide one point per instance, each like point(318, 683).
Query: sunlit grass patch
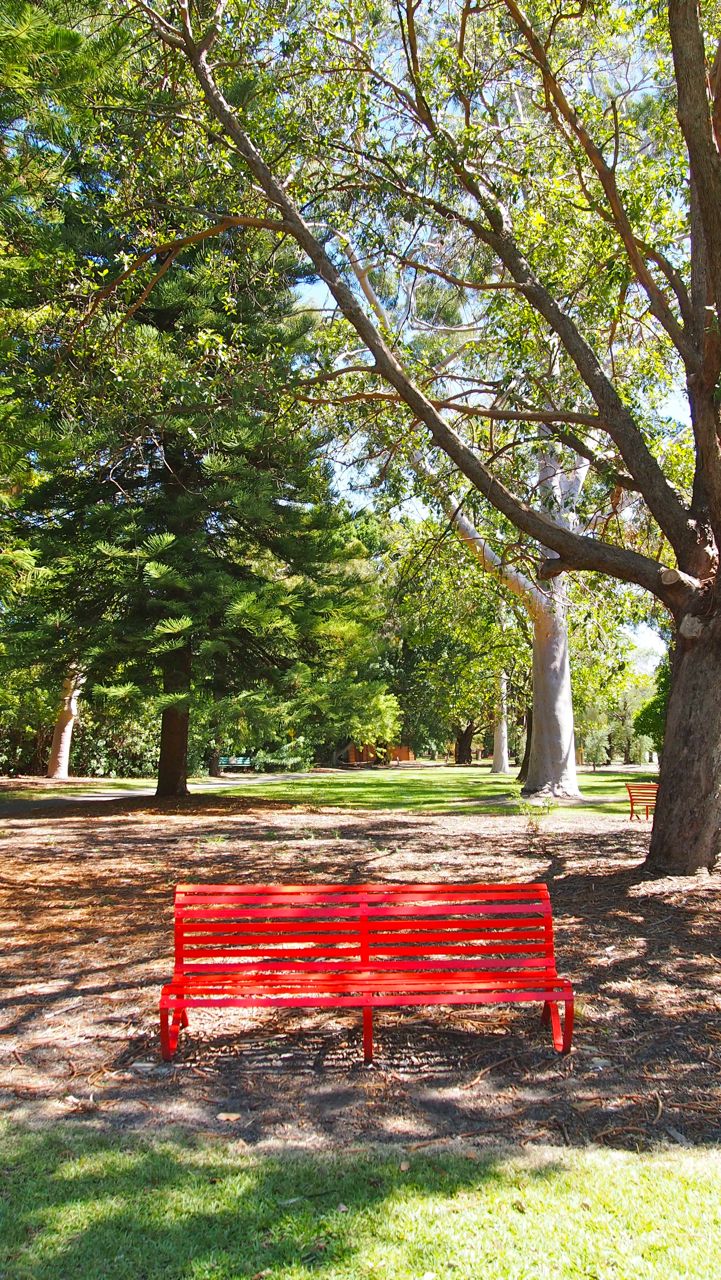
point(443, 789)
point(79, 1204)
point(439, 789)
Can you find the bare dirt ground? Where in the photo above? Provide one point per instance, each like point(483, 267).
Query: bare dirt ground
point(86, 940)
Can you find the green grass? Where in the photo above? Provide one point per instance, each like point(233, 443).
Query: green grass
point(82, 1206)
point(440, 789)
point(445, 790)
point(59, 791)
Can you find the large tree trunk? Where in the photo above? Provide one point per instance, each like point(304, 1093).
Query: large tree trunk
point(462, 752)
point(500, 728)
point(686, 834)
point(552, 762)
point(173, 762)
point(59, 761)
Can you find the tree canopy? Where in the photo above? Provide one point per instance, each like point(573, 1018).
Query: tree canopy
point(583, 288)
point(491, 231)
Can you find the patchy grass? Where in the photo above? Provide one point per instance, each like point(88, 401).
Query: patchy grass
point(80, 1204)
point(439, 789)
point(41, 789)
point(442, 789)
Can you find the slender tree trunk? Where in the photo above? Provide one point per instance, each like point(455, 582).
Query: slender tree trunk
point(173, 762)
point(59, 761)
point(500, 728)
point(523, 771)
point(462, 752)
point(214, 764)
point(552, 763)
point(549, 768)
point(686, 834)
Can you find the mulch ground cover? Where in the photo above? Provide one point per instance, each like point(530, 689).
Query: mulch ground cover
point(86, 941)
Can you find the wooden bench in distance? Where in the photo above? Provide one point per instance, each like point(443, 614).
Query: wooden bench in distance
point(641, 795)
point(363, 946)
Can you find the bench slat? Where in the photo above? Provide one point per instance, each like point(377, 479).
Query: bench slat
point(412, 959)
point(382, 889)
point(375, 942)
point(364, 984)
point(501, 996)
point(286, 915)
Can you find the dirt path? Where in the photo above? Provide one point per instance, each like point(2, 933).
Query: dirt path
point(86, 941)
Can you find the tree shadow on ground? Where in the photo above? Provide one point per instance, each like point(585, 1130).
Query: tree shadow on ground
point(82, 1204)
point(89, 941)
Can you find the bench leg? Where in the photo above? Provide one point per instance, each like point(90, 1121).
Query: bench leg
point(562, 1038)
point(165, 1049)
point(368, 1034)
point(567, 1025)
point(170, 1030)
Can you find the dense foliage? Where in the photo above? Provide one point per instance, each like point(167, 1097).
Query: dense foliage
point(179, 406)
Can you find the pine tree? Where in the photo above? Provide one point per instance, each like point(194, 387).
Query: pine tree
point(192, 549)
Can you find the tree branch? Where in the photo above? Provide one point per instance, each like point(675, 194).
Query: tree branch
point(581, 552)
point(170, 250)
point(694, 115)
point(489, 286)
point(532, 598)
point(615, 417)
point(607, 178)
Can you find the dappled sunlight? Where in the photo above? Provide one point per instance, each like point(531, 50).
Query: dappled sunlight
point(87, 942)
point(80, 1203)
point(427, 787)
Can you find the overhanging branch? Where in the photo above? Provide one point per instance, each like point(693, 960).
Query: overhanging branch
point(579, 551)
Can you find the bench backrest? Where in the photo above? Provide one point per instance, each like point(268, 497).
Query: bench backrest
point(642, 794)
point(224, 928)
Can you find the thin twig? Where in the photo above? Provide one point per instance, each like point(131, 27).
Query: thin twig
point(491, 1066)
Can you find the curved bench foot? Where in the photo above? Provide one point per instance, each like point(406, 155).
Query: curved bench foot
point(562, 1036)
point(170, 1030)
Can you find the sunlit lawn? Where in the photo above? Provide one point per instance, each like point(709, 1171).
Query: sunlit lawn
point(443, 789)
point(80, 1206)
point(81, 787)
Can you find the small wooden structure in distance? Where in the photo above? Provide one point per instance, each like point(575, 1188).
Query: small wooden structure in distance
point(377, 755)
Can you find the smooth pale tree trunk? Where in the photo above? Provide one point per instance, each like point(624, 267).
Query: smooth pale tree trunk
point(551, 770)
point(500, 728)
point(552, 762)
point(173, 762)
point(686, 834)
point(552, 758)
point(59, 762)
point(463, 746)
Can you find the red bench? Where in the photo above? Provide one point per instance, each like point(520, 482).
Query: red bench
point(362, 946)
point(641, 795)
